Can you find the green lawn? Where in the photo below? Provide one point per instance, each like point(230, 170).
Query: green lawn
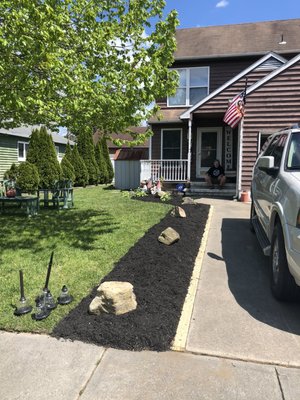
point(87, 241)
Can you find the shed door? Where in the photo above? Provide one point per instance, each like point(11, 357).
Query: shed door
point(209, 148)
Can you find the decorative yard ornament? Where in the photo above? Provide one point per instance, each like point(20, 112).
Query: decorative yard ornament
point(41, 310)
point(49, 301)
point(64, 297)
point(46, 294)
point(23, 306)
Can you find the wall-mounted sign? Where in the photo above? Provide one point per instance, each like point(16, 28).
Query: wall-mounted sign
point(228, 148)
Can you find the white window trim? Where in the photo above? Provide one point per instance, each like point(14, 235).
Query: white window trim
point(25, 152)
point(162, 140)
point(57, 152)
point(188, 87)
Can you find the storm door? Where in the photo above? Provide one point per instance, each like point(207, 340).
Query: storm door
point(209, 148)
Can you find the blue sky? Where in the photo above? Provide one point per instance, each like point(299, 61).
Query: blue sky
point(193, 13)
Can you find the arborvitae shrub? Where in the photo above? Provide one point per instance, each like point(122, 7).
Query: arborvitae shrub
point(81, 172)
point(103, 173)
point(68, 171)
point(105, 152)
point(42, 153)
point(12, 172)
point(28, 177)
point(87, 151)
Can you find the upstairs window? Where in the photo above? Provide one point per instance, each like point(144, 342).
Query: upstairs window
point(22, 151)
point(193, 86)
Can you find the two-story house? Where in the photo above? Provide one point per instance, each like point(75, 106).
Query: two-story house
point(213, 65)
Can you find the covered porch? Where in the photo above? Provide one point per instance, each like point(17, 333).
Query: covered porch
point(196, 143)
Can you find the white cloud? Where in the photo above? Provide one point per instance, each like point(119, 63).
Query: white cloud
point(222, 4)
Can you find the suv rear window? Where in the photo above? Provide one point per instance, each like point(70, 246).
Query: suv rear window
point(293, 159)
point(276, 148)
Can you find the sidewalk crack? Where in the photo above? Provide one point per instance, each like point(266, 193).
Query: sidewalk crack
point(91, 376)
point(279, 383)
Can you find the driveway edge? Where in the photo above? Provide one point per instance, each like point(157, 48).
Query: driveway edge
point(180, 339)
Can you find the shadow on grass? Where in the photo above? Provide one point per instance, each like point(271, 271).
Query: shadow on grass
point(80, 229)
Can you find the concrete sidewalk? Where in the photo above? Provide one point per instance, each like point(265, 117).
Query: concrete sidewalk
point(215, 366)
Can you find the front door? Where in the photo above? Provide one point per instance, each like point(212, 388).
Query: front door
point(209, 148)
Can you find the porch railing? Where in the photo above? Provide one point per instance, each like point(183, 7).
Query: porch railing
point(169, 170)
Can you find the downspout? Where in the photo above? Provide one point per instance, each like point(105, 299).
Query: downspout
point(189, 149)
point(240, 159)
point(150, 149)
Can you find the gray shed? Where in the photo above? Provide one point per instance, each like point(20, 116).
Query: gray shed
point(128, 168)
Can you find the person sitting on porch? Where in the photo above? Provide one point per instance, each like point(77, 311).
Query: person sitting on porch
point(215, 175)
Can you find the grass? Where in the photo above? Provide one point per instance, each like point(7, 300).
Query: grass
point(87, 241)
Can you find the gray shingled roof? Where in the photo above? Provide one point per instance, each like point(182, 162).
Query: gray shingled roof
point(240, 39)
point(25, 132)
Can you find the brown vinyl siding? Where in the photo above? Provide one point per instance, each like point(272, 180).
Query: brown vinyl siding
point(219, 103)
point(219, 72)
point(273, 106)
point(156, 139)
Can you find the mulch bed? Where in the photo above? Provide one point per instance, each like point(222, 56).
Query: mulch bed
point(160, 275)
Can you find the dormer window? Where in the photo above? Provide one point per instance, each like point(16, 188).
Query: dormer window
point(193, 86)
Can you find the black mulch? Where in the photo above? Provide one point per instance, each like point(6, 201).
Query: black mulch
point(160, 275)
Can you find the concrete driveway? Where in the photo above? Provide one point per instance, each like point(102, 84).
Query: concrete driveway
point(235, 314)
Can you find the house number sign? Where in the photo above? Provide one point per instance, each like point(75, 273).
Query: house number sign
point(228, 148)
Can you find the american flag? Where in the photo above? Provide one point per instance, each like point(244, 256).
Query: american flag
point(236, 110)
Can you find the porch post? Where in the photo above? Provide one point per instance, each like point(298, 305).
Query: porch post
point(240, 158)
point(189, 149)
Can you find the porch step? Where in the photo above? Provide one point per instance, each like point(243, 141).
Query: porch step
point(201, 189)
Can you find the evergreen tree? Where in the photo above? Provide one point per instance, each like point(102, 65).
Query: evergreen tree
point(103, 173)
point(87, 151)
point(67, 168)
point(28, 177)
point(105, 152)
point(68, 152)
point(12, 172)
point(81, 172)
point(42, 153)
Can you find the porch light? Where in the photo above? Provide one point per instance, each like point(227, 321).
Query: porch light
point(282, 40)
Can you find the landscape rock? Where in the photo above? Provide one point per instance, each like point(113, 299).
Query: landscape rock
point(188, 200)
point(113, 298)
point(178, 212)
point(169, 236)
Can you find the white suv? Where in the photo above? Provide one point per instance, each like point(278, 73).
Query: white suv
point(275, 209)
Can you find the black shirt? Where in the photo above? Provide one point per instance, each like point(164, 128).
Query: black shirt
point(216, 172)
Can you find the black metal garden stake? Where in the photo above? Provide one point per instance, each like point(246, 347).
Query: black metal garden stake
point(23, 306)
point(46, 294)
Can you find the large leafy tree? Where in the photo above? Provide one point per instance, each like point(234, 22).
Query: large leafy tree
point(84, 63)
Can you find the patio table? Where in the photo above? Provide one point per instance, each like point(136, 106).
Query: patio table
point(31, 203)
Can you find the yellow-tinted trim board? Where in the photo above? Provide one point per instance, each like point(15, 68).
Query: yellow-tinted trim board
point(180, 339)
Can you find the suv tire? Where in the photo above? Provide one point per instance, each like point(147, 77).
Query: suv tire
point(283, 285)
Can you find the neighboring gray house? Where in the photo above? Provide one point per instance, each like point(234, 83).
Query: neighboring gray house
point(14, 145)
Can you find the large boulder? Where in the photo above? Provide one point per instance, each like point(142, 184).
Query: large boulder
point(169, 236)
point(113, 298)
point(188, 200)
point(178, 212)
